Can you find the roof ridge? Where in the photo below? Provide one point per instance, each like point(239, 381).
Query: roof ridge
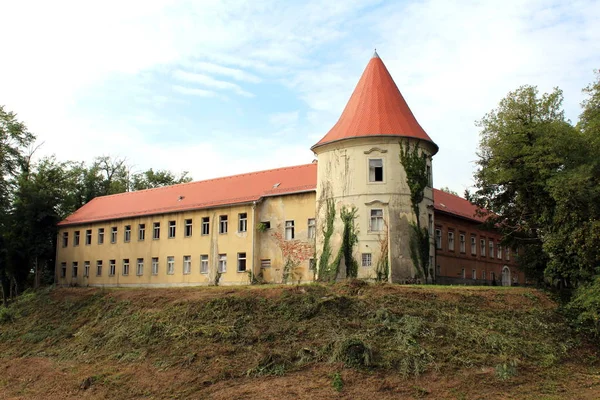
point(202, 181)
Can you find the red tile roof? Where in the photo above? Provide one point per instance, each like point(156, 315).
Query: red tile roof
point(198, 195)
point(451, 204)
point(376, 108)
point(229, 190)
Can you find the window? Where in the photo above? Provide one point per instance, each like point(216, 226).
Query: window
point(88, 237)
point(463, 243)
point(156, 230)
point(99, 268)
point(142, 232)
point(483, 275)
point(366, 260)
point(473, 245)
point(289, 230)
point(205, 225)
point(462, 273)
point(438, 270)
point(100, 235)
point(170, 265)
point(474, 274)
point(493, 276)
point(450, 241)
point(140, 267)
point(491, 249)
point(86, 269)
point(76, 238)
point(74, 270)
point(172, 225)
point(312, 264)
point(223, 224)
point(154, 265)
point(65, 239)
point(265, 263)
point(482, 245)
point(430, 224)
point(188, 228)
point(187, 264)
point(312, 228)
point(376, 220)
point(112, 267)
point(266, 224)
point(113, 234)
point(204, 264)
point(127, 236)
point(438, 239)
point(222, 263)
point(499, 252)
point(429, 177)
point(241, 262)
point(242, 222)
point(376, 170)
point(507, 251)
point(125, 266)
point(63, 270)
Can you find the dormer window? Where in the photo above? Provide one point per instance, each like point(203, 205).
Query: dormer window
point(376, 170)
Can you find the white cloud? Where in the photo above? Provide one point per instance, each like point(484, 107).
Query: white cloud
point(194, 91)
point(209, 81)
point(237, 74)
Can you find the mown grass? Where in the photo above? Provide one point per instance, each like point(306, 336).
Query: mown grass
point(274, 330)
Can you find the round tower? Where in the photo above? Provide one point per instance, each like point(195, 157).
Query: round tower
point(360, 172)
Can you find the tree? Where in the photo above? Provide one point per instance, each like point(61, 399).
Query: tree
point(537, 177)
point(14, 140)
point(152, 179)
point(448, 190)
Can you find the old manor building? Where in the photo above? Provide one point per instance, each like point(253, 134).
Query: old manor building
point(276, 225)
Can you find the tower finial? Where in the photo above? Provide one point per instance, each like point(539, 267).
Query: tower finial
point(375, 55)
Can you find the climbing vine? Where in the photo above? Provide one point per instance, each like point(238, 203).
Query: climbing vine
point(382, 269)
point(294, 253)
point(349, 240)
point(415, 166)
point(324, 269)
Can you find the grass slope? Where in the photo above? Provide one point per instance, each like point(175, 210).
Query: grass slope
point(350, 340)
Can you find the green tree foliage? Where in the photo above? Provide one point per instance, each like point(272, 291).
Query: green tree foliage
point(152, 179)
point(539, 177)
point(349, 240)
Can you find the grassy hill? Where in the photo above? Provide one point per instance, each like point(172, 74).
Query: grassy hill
point(352, 340)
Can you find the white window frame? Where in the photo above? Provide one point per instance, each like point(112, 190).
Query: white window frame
point(499, 251)
point(491, 244)
point(76, 238)
point(223, 224)
point(156, 230)
point(139, 267)
point(170, 265)
point(98, 267)
point(125, 267)
point(141, 232)
point(450, 240)
point(204, 263)
point(482, 248)
point(155, 265)
point(127, 234)
point(242, 259)
point(462, 242)
point(74, 269)
point(312, 228)
point(100, 235)
point(114, 233)
point(205, 226)
point(474, 274)
point(112, 267)
point(366, 260)
point(473, 245)
point(65, 239)
point(222, 268)
point(188, 228)
point(376, 222)
point(86, 269)
point(187, 265)
point(289, 233)
point(242, 222)
point(172, 229)
point(438, 239)
point(371, 164)
point(88, 237)
point(483, 275)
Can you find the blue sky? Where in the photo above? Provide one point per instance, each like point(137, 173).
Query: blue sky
point(224, 87)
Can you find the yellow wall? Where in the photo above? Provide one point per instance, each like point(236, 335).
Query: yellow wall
point(276, 209)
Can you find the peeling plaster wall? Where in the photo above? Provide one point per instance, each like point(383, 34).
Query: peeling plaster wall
point(343, 175)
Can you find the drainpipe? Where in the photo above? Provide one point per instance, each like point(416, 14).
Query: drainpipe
point(253, 235)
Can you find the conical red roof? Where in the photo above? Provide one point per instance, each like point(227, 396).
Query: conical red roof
point(376, 108)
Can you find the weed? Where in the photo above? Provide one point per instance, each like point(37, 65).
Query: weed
point(6, 315)
point(506, 370)
point(270, 364)
point(337, 382)
point(353, 352)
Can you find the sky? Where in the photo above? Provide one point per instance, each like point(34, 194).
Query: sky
point(225, 87)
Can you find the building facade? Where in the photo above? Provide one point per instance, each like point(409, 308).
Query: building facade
point(279, 225)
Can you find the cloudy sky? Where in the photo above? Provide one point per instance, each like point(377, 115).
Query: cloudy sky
point(224, 87)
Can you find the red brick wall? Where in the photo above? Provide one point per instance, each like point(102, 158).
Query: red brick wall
point(450, 263)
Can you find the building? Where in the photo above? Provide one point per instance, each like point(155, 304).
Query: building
point(283, 225)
